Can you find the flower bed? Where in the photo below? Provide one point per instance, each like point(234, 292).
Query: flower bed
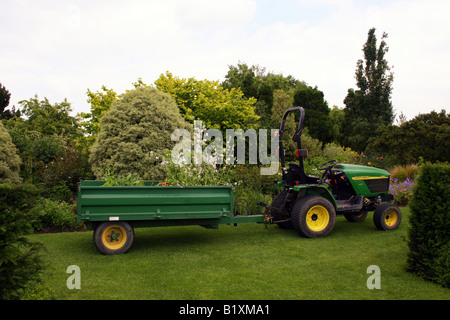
point(402, 190)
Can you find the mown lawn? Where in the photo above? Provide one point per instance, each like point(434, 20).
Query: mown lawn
point(233, 263)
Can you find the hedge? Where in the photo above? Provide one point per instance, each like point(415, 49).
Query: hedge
point(20, 261)
point(429, 235)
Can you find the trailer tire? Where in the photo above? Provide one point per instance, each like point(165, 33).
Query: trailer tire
point(313, 216)
point(387, 216)
point(113, 237)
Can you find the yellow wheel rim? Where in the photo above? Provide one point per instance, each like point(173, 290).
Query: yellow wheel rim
point(390, 219)
point(317, 218)
point(114, 237)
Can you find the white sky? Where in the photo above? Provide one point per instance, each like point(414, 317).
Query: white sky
point(59, 49)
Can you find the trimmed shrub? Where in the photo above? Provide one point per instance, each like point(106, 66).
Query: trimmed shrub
point(20, 260)
point(9, 160)
point(135, 135)
point(429, 236)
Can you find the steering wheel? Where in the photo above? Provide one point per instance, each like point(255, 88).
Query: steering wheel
point(327, 166)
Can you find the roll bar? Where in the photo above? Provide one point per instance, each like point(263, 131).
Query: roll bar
point(295, 138)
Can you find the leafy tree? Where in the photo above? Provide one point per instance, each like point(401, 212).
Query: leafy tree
point(256, 83)
point(370, 106)
point(43, 136)
point(317, 118)
point(100, 103)
point(135, 134)
point(50, 119)
point(9, 160)
point(337, 116)
point(208, 101)
point(427, 136)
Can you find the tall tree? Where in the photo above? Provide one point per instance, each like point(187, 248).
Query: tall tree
point(4, 98)
point(369, 107)
point(5, 95)
point(317, 112)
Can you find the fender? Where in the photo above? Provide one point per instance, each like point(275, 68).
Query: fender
point(315, 190)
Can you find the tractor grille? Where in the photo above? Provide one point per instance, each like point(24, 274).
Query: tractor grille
point(377, 185)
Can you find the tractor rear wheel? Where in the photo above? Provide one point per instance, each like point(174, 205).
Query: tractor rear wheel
point(387, 216)
point(313, 216)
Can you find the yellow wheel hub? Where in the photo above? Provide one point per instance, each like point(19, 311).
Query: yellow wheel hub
point(114, 237)
point(390, 218)
point(317, 218)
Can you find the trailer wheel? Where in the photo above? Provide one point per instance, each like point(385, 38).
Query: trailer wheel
point(113, 237)
point(313, 216)
point(387, 216)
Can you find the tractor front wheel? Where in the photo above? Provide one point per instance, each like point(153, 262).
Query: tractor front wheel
point(313, 216)
point(387, 216)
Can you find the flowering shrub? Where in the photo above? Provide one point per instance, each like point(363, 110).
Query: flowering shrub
point(207, 173)
point(48, 213)
point(402, 190)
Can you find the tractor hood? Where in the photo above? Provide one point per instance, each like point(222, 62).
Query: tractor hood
point(366, 181)
point(357, 172)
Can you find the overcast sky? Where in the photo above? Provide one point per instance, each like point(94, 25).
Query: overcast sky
point(59, 49)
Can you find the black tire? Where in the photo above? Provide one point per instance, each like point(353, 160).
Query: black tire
point(387, 216)
point(113, 237)
point(313, 217)
point(356, 216)
point(283, 213)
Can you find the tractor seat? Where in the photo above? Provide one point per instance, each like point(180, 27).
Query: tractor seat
point(297, 174)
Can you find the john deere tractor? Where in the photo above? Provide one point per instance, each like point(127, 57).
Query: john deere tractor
point(310, 204)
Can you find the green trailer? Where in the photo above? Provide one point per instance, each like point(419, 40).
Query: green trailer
point(114, 212)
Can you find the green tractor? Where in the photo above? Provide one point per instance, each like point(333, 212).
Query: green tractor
point(310, 204)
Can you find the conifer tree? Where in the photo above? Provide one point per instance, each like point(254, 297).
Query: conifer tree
point(369, 107)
